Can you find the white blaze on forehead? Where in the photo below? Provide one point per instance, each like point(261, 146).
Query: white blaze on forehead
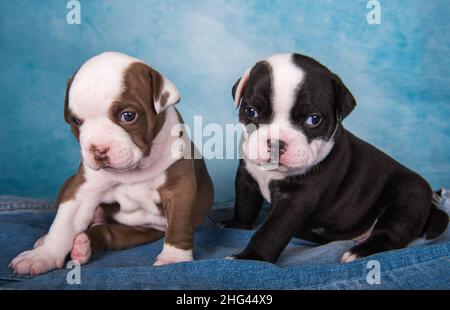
point(286, 78)
point(98, 83)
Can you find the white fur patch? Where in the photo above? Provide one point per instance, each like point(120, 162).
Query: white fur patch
point(263, 177)
point(171, 255)
point(286, 78)
point(349, 257)
point(98, 83)
point(101, 132)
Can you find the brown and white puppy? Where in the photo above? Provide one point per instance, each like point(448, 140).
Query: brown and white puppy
point(134, 184)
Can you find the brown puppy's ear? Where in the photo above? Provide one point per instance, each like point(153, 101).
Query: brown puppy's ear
point(164, 91)
point(239, 88)
point(67, 113)
point(344, 100)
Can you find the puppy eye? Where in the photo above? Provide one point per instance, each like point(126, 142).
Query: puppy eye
point(313, 120)
point(251, 112)
point(127, 116)
point(76, 121)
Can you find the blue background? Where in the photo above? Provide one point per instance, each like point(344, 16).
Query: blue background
point(398, 71)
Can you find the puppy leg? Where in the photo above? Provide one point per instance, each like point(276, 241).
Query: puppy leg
point(72, 218)
point(285, 218)
point(117, 236)
point(248, 201)
point(109, 237)
point(180, 232)
point(39, 241)
point(407, 202)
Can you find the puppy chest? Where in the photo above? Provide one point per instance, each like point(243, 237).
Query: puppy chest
point(139, 204)
point(262, 177)
point(132, 198)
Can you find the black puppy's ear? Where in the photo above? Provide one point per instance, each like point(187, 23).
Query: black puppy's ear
point(239, 88)
point(344, 100)
point(67, 113)
point(233, 91)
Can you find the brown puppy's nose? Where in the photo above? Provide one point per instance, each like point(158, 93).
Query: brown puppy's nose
point(277, 144)
point(100, 153)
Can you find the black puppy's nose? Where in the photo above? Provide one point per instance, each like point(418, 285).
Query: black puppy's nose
point(279, 145)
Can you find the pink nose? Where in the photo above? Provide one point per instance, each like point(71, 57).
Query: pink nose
point(100, 153)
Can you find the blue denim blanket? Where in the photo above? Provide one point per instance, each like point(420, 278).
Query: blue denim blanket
point(303, 265)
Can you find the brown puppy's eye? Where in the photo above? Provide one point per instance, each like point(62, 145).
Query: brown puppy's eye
point(128, 116)
point(76, 121)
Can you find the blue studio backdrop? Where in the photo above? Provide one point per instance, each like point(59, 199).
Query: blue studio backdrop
point(398, 71)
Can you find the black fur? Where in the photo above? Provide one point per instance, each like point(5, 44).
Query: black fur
point(355, 186)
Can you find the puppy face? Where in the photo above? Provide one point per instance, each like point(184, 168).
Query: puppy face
point(292, 105)
point(115, 105)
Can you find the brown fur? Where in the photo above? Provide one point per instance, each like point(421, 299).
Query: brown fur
point(186, 197)
point(71, 186)
point(140, 82)
point(187, 194)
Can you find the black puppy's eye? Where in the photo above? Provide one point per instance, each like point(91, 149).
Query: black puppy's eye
point(127, 116)
point(76, 121)
point(251, 112)
point(313, 120)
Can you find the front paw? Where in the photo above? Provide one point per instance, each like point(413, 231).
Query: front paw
point(243, 256)
point(247, 255)
point(172, 255)
point(37, 261)
point(349, 257)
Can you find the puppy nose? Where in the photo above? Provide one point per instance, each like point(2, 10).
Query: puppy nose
point(277, 144)
point(100, 153)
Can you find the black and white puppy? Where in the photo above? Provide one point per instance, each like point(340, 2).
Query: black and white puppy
point(327, 184)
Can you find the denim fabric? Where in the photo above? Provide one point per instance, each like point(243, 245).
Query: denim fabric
point(425, 264)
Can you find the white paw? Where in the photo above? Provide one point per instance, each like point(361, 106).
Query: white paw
point(172, 255)
point(37, 261)
point(39, 242)
point(230, 257)
point(81, 250)
point(349, 257)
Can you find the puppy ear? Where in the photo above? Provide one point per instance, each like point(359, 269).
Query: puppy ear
point(67, 113)
point(164, 91)
point(239, 88)
point(344, 100)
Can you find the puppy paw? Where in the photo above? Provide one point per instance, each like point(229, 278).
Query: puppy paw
point(172, 255)
point(252, 255)
point(37, 261)
point(349, 257)
point(231, 257)
point(39, 242)
point(81, 250)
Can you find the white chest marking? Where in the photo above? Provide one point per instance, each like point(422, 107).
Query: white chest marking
point(263, 177)
point(139, 203)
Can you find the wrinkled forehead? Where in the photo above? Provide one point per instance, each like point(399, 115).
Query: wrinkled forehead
point(279, 73)
point(284, 78)
point(98, 83)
